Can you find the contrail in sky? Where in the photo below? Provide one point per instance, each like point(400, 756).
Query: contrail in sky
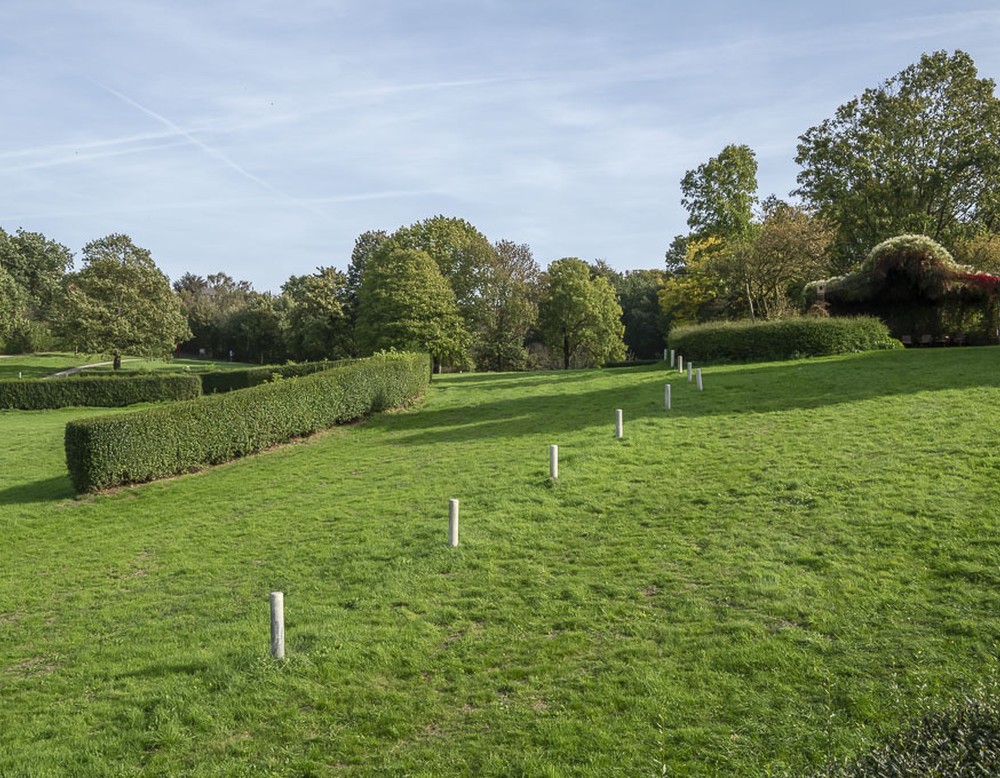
point(207, 149)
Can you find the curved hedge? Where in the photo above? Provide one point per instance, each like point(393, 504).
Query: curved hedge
point(106, 392)
point(165, 441)
point(784, 339)
point(218, 381)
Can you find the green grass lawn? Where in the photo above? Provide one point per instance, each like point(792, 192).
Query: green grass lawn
point(41, 365)
point(783, 568)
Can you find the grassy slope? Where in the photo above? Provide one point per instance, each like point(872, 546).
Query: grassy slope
point(783, 566)
point(41, 365)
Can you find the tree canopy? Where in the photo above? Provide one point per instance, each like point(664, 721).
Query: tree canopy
point(120, 302)
point(920, 153)
point(579, 315)
point(405, 303)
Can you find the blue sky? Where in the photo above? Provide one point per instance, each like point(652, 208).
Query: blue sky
point(260, 138)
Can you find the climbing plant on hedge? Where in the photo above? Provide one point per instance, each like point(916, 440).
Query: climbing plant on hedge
point(164, 441)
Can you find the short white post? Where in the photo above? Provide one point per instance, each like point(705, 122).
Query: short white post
point(664, 355)
point(19, 375)
point(619, 424)
point(452, 523)
point(553, 462)
point(666, 396)
point(278, 625)
point(689, 371)
point(673, 358)
point(700, 386)
point(680, 363)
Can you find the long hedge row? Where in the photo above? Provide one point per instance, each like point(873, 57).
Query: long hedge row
point(218, 381)
point(775, 340)
point(105, 392)
point(168, 440)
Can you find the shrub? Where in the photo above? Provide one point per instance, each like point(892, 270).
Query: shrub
point(107, 392)
point(784, 339)
point(962, 741)
point(218, 381)
point(165, 441)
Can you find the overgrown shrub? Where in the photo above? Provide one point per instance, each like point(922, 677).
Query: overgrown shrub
point(960, 742)
point(784, 339)
point(168, 440)
point(106, 392)
point(217, 381)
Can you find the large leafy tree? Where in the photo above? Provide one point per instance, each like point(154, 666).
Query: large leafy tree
point(509, 307)
point(579, 316)
point(405, 303)
point(120, 302)
point(920, 153)
point(38, 266)
point(720, 194)
point(11, 305)
point(366, 244)
point(316, 321)
point(256, 329)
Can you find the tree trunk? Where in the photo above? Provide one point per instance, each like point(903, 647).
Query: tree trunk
point(565, 352)
point(118, 362)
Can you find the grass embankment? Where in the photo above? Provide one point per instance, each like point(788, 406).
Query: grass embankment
point(786, 566)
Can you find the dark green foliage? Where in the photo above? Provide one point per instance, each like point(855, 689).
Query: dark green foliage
point(105, 392)
point(959, 742)
point(632, 363)
point(160, 442)
point(783, 339)
point(227, 380)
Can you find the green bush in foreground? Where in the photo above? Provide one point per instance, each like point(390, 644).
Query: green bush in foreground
point(218, 381)
point(105, 392)
point(161, 442)
point(960, 742)
point(784, 339)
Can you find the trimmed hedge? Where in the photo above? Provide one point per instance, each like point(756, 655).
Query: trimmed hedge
point(169, 440)
point(218, 381)
point(106, 392)
point(784, 339)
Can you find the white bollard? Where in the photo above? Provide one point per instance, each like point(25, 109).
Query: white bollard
point(673, 358)
point(700, 386)
point(278, 625)
point(689, 371)
point(619, 424)
point(664, 355)
point(680, 363)
point(452, 523)
point(553, 462)
point(666, 396)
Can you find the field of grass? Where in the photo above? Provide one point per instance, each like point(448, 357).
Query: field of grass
point(782, 569)
point(41, 365)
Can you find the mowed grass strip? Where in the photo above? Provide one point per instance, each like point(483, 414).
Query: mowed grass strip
point(783, 568)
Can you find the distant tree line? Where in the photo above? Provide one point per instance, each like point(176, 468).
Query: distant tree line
point(920, 153)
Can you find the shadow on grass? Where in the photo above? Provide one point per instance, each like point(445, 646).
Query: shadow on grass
point(47, 490)
point(560, 402)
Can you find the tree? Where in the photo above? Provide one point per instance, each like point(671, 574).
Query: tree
point(120, 302)
point(316, 321)
point(579, 316)
point(638, 295)
point(791, 248)
point(366, 244)
point(918, 154)
point(720, 194)
point(210, 304)
point(38, 266)
point(256, 329)
point(981, 252)
point(406, 303)
point(11, 304)
point(509, 308)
